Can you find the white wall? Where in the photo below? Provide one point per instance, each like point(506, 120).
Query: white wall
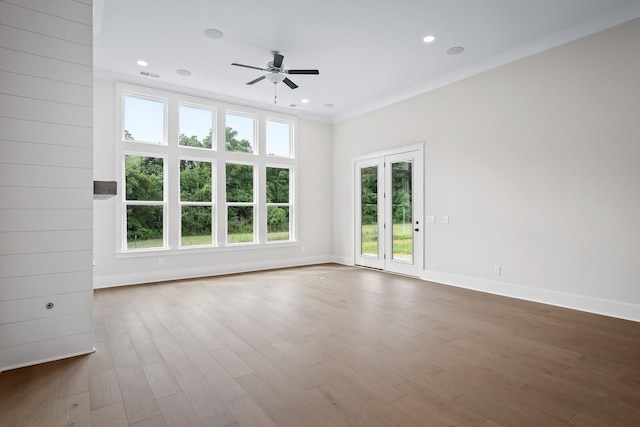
point(45, 181)
point(314, 204)
point(537, 165)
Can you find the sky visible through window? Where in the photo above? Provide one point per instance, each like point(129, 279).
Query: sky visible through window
point(195, 122)
point(278, 135)
point(144, 121)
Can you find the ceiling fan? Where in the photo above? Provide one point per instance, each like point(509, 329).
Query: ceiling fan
point(275, 71)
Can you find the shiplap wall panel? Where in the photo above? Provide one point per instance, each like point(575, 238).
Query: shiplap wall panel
point(46, 68)
point(40, 110)
point(40, 132)
point(39, 22)
point(26, 175)
point(35, 308)
point(46, 185)
point(49, 90)
point(19, 333)
point(46, 198)
point(15, 288)
point(43, 264)
point(34, 242)
point(23, 153)
point(39, 44)
point(73, 345)
point(45, 220)
point(69, 10)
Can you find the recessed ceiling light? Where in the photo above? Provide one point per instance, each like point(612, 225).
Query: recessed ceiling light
point(329, 105)
point(213, 33)
point(184, 72)
point(428, 39)
point(304, 101)
point(456, 50)
point(142, 63)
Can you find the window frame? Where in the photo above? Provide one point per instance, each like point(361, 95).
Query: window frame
point(252, 204)
point(146, 97)
point(126, 203)
point(214, 124)
point(172, 153)
point(291, 138)
point(289, 204)
point(212, 203)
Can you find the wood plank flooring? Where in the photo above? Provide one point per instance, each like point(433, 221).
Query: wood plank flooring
point(330, 345)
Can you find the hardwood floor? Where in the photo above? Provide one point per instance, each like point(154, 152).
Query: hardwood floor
point(330, 345)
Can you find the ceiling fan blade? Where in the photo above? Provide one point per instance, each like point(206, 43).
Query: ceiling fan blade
point(289, 83)
point(249, 66)
point(277, 60)
point(302, 72)
point(256, 80)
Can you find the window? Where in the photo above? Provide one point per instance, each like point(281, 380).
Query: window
point(196, 127)
point(278, 206)
point(175, 173)
point(143, 120)
point(240, 133)
point(240, 203)
point(144, 201)
point(196, 203)
point(278, 139)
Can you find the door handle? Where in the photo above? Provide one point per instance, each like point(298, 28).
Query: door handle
point(416, 229)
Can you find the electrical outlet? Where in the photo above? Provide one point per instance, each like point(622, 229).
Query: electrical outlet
point(160, 261)
point(497, 270)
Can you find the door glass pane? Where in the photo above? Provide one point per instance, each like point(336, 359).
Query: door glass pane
point(401, 177)
point(369, 209)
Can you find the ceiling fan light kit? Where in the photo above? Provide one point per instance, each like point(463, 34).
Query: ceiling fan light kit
point(276, 72)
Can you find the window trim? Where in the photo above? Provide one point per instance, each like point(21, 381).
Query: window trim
point(172, 153)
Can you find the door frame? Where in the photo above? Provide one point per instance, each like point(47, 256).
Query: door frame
point(417, 150)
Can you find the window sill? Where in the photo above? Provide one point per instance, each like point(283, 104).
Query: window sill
point(151, 252)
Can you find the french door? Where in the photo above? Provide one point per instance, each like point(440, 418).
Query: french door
point(388, 210)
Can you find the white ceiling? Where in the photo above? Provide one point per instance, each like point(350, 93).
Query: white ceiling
point(369, 52)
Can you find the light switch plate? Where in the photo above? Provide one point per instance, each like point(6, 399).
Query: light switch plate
point(431, 219)
point(445, 219)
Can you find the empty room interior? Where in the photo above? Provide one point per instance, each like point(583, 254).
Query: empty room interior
point(390, 213)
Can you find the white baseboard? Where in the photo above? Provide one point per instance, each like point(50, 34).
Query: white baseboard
point(210, 270)
point(576, 302)
point(344, 260)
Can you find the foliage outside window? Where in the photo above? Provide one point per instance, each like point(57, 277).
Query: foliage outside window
point(144, 186)
point(278, 207)
point(369, 210)
point(196, 202)
point(196, 126)
point(240, 135)
point(170, 173)
point(240, 206)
